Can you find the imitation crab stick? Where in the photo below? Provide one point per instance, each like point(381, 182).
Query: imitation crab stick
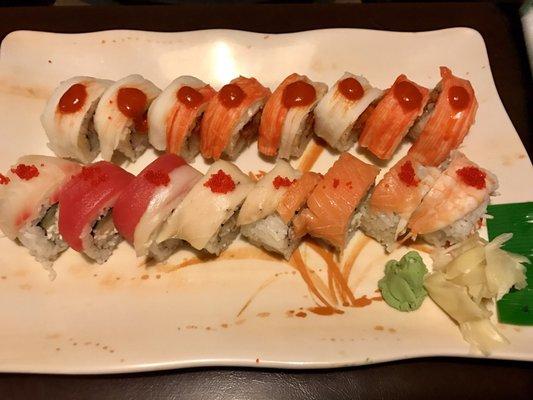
point(288, 120)
point(393, 116)
point(231, 119)
point(448, 117)
point(174, 116)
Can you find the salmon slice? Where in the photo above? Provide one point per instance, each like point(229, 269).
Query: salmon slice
point(181, 120)
point(295, 197)
point(390, 121)
point(402, 188)
point(449, 122)
point(461, 189)
point(220, 124)
point(332, 203)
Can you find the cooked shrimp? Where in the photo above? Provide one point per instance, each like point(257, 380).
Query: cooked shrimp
point(459, 191)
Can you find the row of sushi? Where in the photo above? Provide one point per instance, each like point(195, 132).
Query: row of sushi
point(50, 204)
point(87, 115)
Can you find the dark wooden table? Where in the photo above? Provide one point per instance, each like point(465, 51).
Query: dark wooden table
point(434, 378)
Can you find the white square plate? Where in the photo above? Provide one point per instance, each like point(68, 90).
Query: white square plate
point(125, 316)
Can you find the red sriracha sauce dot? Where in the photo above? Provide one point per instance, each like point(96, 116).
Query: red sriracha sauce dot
point(231, 95)
point(220, 183)
point(93, 175)
point(407, 174)
point(157, 178)
point(351, 89)
point(297, 94)
point(4, 180)
point(280, 181)
point(190, 97)
point(73, 99)
point(141, 123)
point(131, 102)
point(335, 183)
point(407, 95)
point(25, 172)
point(458, 98)
point(472, 176)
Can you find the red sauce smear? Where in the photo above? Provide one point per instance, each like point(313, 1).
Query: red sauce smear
point(407, 95)
point(472, 176)
point(73, 99)
point(362, 301)
point(458, 98)
point(93, 175)
point(190, 97)
point(335, 183)
point(407, 174)
point(298, 94)
point(157, 178)
point(131, 102)
point(351, 89)
point(4, 180)
point(231, 95)
point(220, 183)
point(141, 123)
point(22, 218)
point(325, 310)
point(280, 181)
point(25, 172)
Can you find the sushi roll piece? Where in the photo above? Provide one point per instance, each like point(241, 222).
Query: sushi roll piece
point(394, 199)
point(294, 199)
point(121, 117)
point(148, 201)
point(447, 118)
point(333, 209)
point(259, 219)
point(67, 118)
point(455, 205)
point(28, 204)
point(231, 120)
point(207, 216)
point(393, 117)
point(341, 114)
point(174, 117)
point(85, 209)
point(287, 120)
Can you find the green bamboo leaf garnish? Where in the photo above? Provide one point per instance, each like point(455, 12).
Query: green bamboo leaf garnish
point(516, 307)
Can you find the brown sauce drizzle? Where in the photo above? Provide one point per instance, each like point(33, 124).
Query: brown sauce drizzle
point(354, 253)
point(313, 151)
point(325, 310)
point(298, 262)
point(333, 268)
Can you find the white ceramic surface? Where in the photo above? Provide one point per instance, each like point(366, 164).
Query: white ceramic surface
point(125, 316)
